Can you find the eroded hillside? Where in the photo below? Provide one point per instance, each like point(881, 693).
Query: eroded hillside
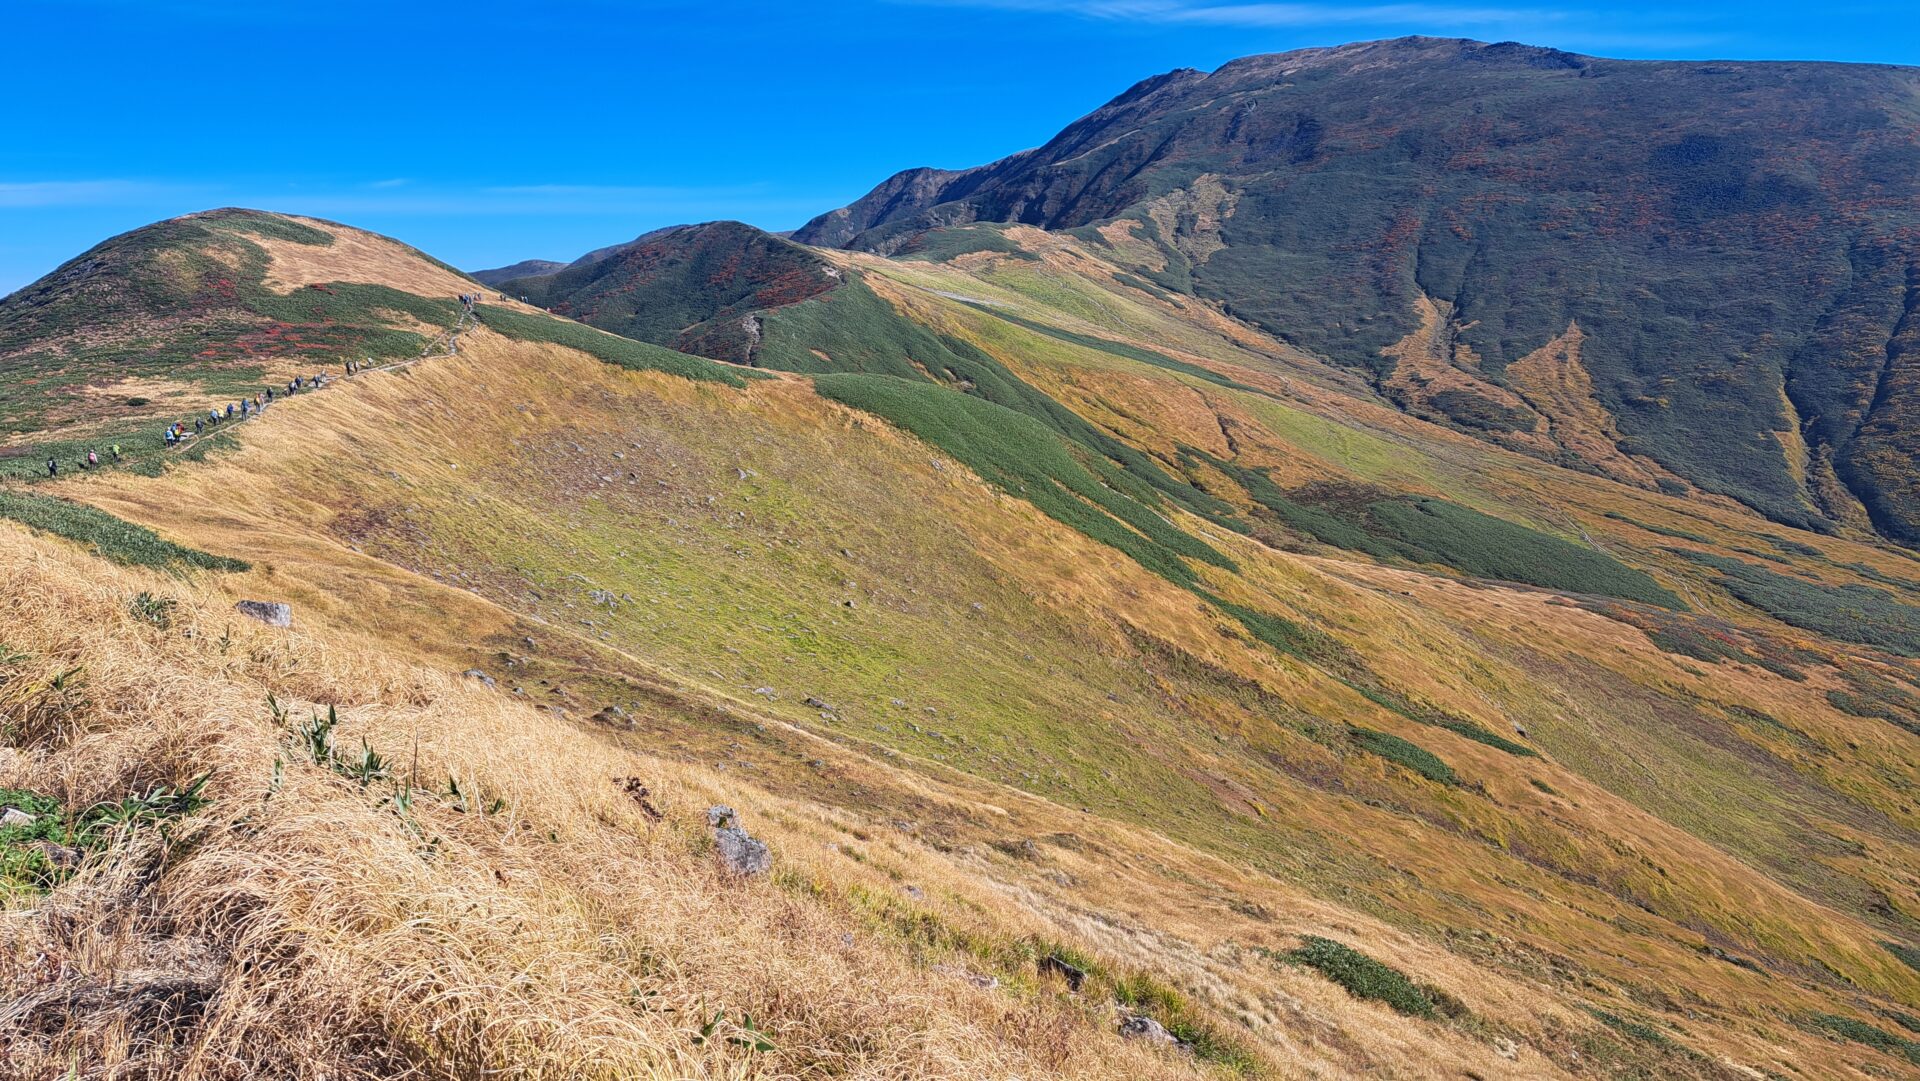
point(1029, 611)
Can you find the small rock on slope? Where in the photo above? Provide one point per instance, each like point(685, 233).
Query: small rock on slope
point(272, 613)
point(739, 853)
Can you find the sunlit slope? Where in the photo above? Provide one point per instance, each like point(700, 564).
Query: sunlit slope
point(612, 516)
point(1065, 663)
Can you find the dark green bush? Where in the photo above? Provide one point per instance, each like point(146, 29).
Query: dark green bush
point(624, 352)
point(1403, 752)
point(1362, 976)
point(115, 538)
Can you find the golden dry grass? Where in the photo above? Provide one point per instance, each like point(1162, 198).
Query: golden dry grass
point(572, 936)
point(308, 930)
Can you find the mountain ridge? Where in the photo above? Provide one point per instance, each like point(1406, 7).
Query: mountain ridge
point(1086, 654)
point(1483, 201)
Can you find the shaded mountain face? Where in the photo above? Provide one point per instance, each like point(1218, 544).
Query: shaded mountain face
point(1722, 260)
point(525, 268)
point(692, 287)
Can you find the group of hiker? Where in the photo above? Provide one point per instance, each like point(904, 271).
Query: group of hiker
point(91, 461)
point(177, 433)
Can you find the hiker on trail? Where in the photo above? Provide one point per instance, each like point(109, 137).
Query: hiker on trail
point(269, 393)
point(92, 459)
point(170, 439)
point(229, 409)
point(199, 426)
point(116, 452)
point(53, 468)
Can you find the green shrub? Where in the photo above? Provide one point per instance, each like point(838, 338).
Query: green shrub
point(1908, 955)
point(941, 245)
point(1362, 976)
point(1027, 459)
point(1403, 752)
point(1861, 1032)
point(1421, 529)
point(114, 538)
point(611, 348)
point(25, 865)
point(157, 611)
point(1639, 1030)
point(1851, 613)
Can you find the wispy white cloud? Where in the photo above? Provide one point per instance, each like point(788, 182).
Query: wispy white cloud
point(402, 195)
point(1203, 13)
point(1568, 26)
point(46, 193)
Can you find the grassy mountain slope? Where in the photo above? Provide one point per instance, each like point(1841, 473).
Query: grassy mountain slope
point(522, 269)
point(1006, 680)
point(1585, 259)
point(692, 288)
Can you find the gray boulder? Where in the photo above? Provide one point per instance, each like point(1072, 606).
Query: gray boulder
point(740, 854)
point(1142, 1027)
point(475, 673)
point(272, 613)
point(13, 816)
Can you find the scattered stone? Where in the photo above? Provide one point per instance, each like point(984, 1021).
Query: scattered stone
point(815, 703)
point(916, 893)
point(272, 613)
point(739, 853)
point(1052, 964)
point(59, 855)
point(1506, 1048)
point(13, 816)
point(1142, 1027)
point(765, 692)
point(614, 715)
point(475, 673)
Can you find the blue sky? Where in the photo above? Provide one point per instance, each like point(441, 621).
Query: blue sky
point(488, 132)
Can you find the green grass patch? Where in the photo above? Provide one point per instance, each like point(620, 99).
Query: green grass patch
point(1877, 1038)
point(941, 245)
point(1421, 529)
point(114, 538)
point(1118, 349)
point(1908, 955)
point(1639, 1030)
point(1403, 752)
point(1851, 613)
point(31, 854)
point(1026, 458)
point(611, 348)
point(852, 329)
point(1362, 976)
